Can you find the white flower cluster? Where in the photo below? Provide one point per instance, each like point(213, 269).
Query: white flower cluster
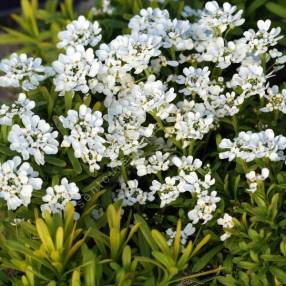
point(205, 207)
point(226, 222)
point(152, 165)
point(253, 179)
point(21, 107)
point(85, 135)
point(24, 72)
point(58, 196)
point(192, 121)
point(250, 146)
point(276, 100)
point(18, 180)
point(131, 194)
point(36, 139)
point(188, 180)
point(80, 32)
point(155, 22)
point(74, 69)
point(185, 235)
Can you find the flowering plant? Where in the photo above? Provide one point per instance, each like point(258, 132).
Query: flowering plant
point(176, 120)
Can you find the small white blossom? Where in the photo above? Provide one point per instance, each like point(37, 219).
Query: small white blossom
point(131, 194)
point(260, 41)
point(152, 165)
point(192, 121)
point(186, 232)
point(253, 179)
point(219, 19)
point(226, 222)
point(196, 81)
point(276, 100)
point(251, 79)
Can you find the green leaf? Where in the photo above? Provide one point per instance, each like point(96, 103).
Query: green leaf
point(6, 151)
point(74, 161)
point(206, 258)
point(254, 6)
point(76, 278)
point(89, 272)
point(55, 161)
point(276, 9)
point(146, 232)
point(278, 273)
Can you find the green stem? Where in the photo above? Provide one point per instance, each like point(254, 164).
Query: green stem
point(235, 124)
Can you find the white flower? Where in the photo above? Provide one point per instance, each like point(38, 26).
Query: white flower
point(36, 139)
point(186, 164)
point(74, 69)
point(153, 94)
point(125, 130)
point(276, 100)
point(260, 41)
point(179, 36)
point(251, 79)
point(80, 32)
point(192, 121)
point(168, 191)
point(131, 194)
point(194, 80)
point(253, 179)
point(219, 19)
point(226, 104)
point(24, 72)
point(226, 222)
point(152, 165)
point(18, 180)
point(154, 22)
point(58, 196)
point(21, 107)
point(136, 50)
point(249, 146)
point(205, 207)
point(186, 232)
point(85, 135)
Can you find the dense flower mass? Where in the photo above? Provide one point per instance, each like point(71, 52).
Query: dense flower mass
point(18, 180)
point(249, 146)
point(149, 119)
